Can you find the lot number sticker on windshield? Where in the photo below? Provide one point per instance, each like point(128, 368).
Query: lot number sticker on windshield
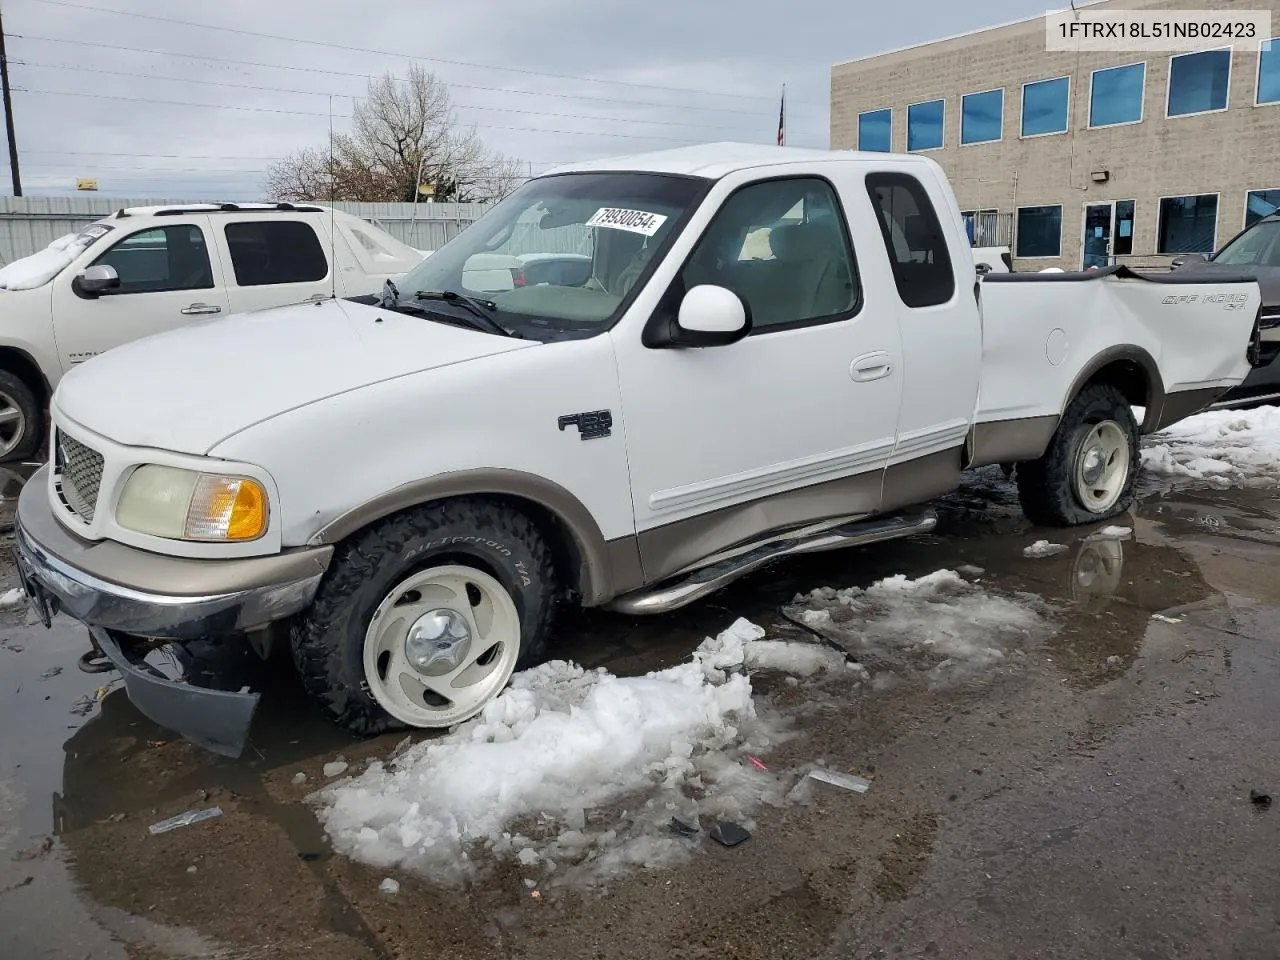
point(636, 221)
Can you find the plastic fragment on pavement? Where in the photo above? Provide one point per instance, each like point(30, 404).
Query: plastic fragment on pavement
point(729, 834)
point(847, 781)
point(185, 819)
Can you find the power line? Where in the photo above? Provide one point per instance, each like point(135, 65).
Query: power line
point(586, 98)
point(329, 44)
point(306, 113)
point(316, 93)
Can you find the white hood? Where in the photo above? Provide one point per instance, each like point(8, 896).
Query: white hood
point(188, 389)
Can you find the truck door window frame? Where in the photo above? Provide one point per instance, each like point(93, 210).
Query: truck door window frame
point(920, 283)
point(205, 281)
point(669, 306)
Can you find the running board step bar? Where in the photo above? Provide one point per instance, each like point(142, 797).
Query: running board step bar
point(674, 594)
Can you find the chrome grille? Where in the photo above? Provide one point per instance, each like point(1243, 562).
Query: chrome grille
point(79, 468)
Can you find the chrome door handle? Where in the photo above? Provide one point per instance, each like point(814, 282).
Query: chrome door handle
point(871, 366)
point(201, 308)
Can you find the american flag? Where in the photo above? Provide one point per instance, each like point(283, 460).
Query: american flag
point(782, 118)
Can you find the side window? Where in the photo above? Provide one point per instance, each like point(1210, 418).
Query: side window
point(270, 252)
point(166, 258)
point(913, 239)
point(783, 248)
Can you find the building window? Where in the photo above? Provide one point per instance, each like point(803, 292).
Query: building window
point(924, 125)
point(1044, 107)
point(1122, 242)
point(982, 116)
point(1259, 204)
point(1269, 73)
point(1039, 231)
point(875, 131)
point(1198, 82)
point(1115, 95)
point(1187, 224)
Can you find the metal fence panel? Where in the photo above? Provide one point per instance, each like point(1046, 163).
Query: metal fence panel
point(29, 224)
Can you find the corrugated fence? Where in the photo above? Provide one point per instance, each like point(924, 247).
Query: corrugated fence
point(28, 224)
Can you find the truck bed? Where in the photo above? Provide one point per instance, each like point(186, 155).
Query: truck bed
point(1046, 333)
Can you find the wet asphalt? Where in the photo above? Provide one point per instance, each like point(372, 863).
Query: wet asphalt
point(1094, 801)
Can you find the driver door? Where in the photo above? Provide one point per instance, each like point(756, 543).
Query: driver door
point(792, 424)
point(168, 278)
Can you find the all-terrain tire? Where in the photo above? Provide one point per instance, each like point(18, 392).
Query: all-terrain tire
point(16, 393)
point(328, 639)
point(1048, 488)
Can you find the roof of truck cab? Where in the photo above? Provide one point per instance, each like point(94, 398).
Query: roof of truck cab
point(715, 160)
point(151, 211)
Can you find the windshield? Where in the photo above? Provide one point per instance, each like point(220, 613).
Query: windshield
point(1257, 247)
point(562, 253)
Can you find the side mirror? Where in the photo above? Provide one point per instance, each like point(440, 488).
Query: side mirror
point(982, 268)
point(96, 280)
point(710, 316)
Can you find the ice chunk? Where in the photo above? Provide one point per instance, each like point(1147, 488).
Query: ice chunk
point(335, 769)
point(1043, 548)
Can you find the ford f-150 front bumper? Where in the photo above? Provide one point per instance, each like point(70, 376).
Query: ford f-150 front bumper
point(132, 599)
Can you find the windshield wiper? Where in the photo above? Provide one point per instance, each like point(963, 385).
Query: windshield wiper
point(478, 308)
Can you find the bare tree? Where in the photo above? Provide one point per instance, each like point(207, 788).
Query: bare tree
point(404, 133)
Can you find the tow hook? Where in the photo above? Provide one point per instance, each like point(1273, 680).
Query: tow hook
point(94, 660)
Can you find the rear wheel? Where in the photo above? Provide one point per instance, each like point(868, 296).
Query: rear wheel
point(422, 618)
point(1087, 472)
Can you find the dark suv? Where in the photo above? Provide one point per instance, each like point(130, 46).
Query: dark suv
point(1254, 251)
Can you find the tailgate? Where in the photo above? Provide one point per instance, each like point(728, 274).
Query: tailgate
point(1044, 333)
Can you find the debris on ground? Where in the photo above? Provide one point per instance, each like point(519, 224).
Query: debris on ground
point(37, 851)
point(1043, 548)
point(1259, 799)
point(334, 769)
point(678, 826)
point(758, 764)
point(729, 834)
point(185, 819)
point(307, 856)
point(1113, 533)
point(847, 781)
point(299, 778)
point(390, 886)
point(1165, 619)
point(1113, 660)
point(969, 570)
point(191, 869)
point(50, 673)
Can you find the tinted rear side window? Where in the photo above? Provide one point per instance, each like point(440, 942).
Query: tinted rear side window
point(913, 239)
point(284, 251)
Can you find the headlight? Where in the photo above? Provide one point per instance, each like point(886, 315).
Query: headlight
point(186, 505)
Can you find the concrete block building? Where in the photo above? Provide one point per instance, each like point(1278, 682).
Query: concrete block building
point(1080, 158)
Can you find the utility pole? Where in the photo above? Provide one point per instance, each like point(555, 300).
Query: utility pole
point(8, 114)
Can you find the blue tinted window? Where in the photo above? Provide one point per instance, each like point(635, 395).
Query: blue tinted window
point(1115, 95)
point(982, 116)
point(1187, 224)
point(874, 130)
point(1039, 232)
point(1198, 82)
point(1259, 204)
point(1269, 74)
point(924, 125)
point(1044, 107)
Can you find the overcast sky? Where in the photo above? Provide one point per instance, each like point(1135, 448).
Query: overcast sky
point(545, 81)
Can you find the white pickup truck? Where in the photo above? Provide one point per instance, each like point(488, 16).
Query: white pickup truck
point(144, 270)
point(698, 406)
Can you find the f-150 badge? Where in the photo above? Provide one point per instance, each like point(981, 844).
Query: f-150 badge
point(597, 423)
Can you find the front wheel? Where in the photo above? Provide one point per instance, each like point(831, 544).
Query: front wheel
point(1086, 474)
point(422, 619)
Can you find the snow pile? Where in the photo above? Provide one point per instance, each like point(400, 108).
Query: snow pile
point(576, 773)
point(940, 623)
point(39, 268)
point(1112, 533)
point(1043, 548)
point(14, 597)
point(1224, 448)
